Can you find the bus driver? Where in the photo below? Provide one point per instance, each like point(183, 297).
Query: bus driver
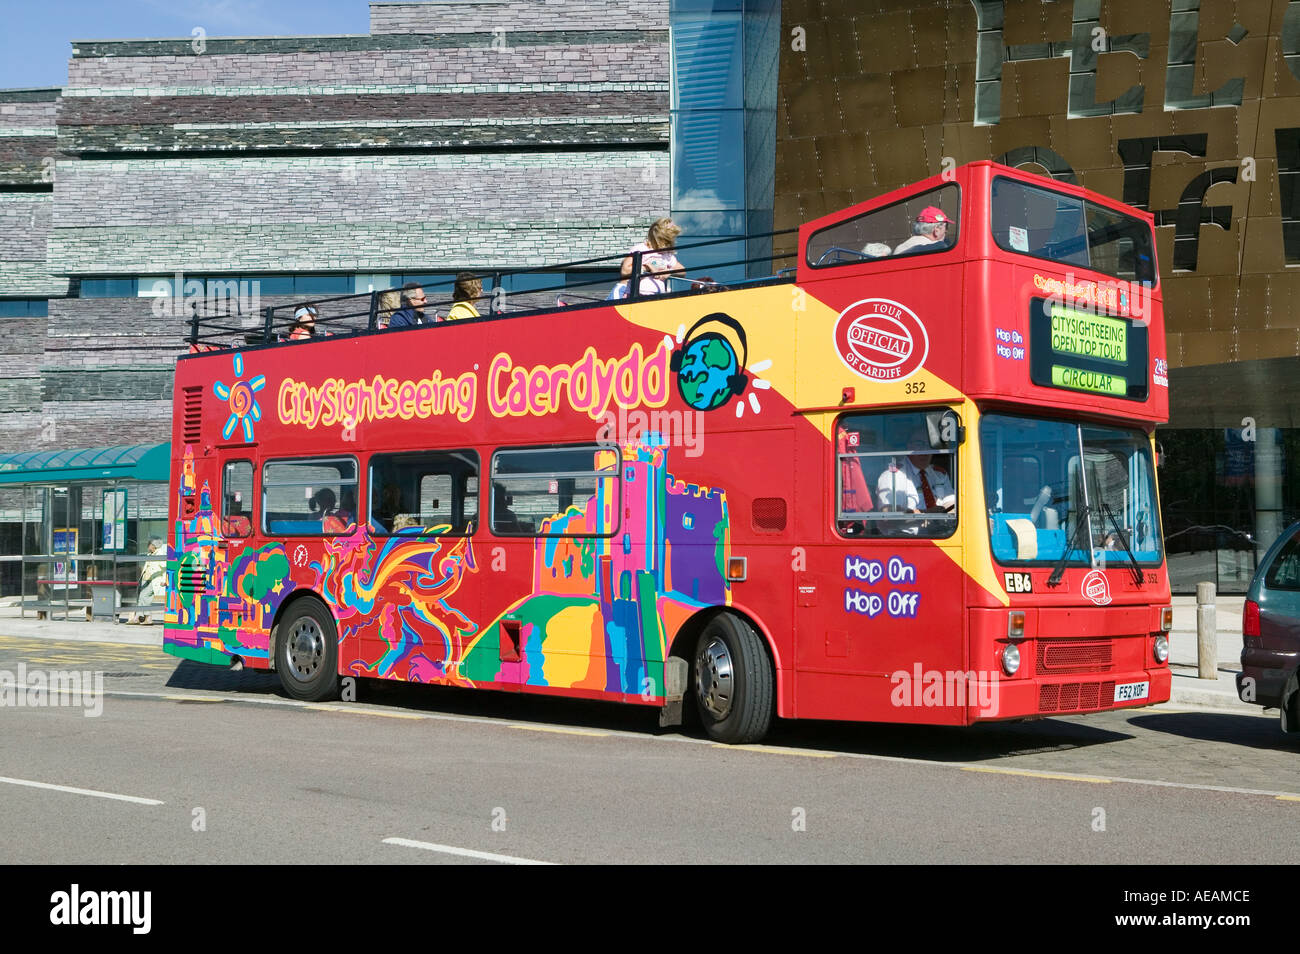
point(935, 493)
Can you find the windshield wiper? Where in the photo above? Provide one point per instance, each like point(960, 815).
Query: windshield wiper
point(1123, 538)
point(1084, 516)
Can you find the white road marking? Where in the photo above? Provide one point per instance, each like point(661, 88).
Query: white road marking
point(562, 730)
point(681, 739)
point(778, 750)
point(464, 852)
point(81, 791)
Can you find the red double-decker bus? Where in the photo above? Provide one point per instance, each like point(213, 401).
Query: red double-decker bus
point(910, 479)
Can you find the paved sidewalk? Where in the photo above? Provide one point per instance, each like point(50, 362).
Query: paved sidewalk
point(1221, 692)
point(79, 630)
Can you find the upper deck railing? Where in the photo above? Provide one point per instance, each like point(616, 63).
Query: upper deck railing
point(225, 327)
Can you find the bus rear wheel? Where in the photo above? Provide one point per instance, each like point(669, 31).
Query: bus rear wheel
point(307, 652)
point(734, 686)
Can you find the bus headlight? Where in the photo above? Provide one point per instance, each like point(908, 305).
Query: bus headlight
point(1010, 659)
point(1162, 648)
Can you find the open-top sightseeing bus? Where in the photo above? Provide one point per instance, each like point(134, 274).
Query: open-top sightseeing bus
point(910, 479)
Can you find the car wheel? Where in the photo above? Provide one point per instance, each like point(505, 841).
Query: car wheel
point(734, 685)
point(307, 652)
point(1290, 707)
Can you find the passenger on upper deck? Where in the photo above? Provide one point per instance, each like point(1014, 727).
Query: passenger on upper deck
point(658, 262)
point(389, 302)
point(469, 287)
point(931, 227)
point(304, 323)
point(412, 310)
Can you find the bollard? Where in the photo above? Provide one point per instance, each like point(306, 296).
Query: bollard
point(1207, 637)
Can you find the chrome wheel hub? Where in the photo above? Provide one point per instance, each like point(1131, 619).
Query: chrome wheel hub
point(306, 650)
point(714, 677)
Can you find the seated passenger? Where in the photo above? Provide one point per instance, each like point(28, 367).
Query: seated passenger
point(658, 261)
point(304, 323)
point(469, 288)
point(504, 520)
point(405, 521)
point(335, 520)
point(389, 302)
point(930, 228)
point(411, 313)
point(877, 250)
point(235, 523)
point(385, 510)
point(347, 511)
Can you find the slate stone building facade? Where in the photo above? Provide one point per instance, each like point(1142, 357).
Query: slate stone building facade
point(498, 134)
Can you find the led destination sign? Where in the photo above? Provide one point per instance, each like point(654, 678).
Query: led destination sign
point(1089, 381)
point(1080, 350)
point(1092, 336)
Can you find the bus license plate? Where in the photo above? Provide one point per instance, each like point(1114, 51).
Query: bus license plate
point(1132, 690)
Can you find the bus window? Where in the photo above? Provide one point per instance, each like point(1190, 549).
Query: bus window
point(427, 492)
point(1062, 228)
point(1035, 514)
point(556, 491)
point(309, 496)
point(236, 499)
point(882, 233)
point(897, 474)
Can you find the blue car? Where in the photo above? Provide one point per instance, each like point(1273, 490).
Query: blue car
point(1270, 631)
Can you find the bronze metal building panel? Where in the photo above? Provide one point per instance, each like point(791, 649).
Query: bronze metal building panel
point(1189, 109)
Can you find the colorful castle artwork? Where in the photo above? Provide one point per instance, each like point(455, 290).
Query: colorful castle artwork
point(597, 617)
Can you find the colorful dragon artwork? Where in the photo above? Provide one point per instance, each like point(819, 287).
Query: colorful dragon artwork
point(598, 617)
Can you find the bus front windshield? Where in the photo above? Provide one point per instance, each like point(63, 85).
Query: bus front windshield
point(1057, 487)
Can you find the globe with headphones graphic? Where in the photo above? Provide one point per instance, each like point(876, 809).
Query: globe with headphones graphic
point(708, 372)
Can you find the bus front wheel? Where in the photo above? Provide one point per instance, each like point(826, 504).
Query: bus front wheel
point(734, 686)
point(307, 652)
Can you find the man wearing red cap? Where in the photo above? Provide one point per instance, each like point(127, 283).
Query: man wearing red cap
point(930, 227)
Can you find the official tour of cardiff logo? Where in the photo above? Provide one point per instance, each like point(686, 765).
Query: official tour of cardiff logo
point(241, 396)
point(881, 339)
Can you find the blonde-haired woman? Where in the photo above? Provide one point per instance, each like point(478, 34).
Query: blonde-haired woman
point(658, 261)
point(389, 302)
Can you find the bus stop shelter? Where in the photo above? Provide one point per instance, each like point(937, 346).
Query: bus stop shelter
point(83, 522)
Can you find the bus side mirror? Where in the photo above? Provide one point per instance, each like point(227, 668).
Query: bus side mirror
point(951, 431)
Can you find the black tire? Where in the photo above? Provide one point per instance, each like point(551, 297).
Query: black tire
point(734, 686)
point(1290, 707)
point(307, 652)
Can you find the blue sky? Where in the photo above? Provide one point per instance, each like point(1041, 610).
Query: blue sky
point(36, 41)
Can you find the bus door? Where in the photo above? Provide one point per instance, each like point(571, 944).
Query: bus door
point(888, 586)
point(235, 530)
point(424, 591)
